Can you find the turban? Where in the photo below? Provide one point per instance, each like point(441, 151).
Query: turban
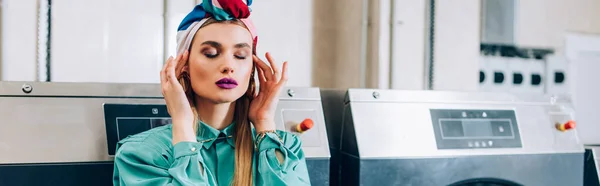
point(219, 10)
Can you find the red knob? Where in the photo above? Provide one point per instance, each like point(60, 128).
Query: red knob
point(305, 125)
point(566, 126)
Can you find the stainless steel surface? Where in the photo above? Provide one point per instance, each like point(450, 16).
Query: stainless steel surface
point(304, 103)
point(64, 122)
point(61, 122)
point(65, 89)
point(406, 117)
point(409, 96)
point(388, 138)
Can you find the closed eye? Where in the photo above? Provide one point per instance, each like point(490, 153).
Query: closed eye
point(211, 56)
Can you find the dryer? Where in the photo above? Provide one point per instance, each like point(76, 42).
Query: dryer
point(65, 133)
point(397, 137)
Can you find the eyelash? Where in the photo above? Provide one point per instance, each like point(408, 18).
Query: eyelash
point(216, 55)
point(211, 56)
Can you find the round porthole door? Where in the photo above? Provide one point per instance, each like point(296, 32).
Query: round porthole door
point(485, 182)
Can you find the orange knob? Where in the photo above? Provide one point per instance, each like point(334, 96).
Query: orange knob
point(305, 125)
point(566, 126)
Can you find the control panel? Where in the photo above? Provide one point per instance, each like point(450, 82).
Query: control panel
point(298, 112)
point(465, 129)
point(124, 120)
point(300, 121)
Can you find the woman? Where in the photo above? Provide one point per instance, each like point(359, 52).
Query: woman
point(210, 93)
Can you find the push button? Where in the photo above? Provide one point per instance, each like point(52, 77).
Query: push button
point(566, 126)
point(305, 125)
point(501, 128)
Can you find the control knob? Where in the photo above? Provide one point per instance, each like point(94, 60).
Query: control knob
point(305, 125)
point(566, 126)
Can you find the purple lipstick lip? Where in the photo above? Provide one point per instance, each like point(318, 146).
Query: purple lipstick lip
point(227, 83)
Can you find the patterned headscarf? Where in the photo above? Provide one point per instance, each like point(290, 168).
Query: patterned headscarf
point(219, 10)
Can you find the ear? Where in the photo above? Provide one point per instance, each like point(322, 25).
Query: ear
point(186, 69)
point(254, 43)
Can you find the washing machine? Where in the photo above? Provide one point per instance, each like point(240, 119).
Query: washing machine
point(439, 138)
point(65, 133)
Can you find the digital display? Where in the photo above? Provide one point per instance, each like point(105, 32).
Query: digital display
point(466, 129)
point(475, 128)
point(133, 125)
point(122, 120)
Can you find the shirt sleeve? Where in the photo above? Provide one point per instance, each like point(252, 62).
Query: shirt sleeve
point(292, 171)
point(138, 163)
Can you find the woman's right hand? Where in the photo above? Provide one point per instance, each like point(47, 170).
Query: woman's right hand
point(178, 105)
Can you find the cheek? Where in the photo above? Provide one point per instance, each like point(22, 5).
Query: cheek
point(246, 70)
point(198, 71)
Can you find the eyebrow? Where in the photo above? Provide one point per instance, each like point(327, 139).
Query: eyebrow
point(212, 43)
point(242, 45)
point(218, 45)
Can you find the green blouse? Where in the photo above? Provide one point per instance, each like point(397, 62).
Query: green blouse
point(149, 158)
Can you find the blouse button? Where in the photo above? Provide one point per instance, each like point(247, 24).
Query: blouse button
point(193, 149)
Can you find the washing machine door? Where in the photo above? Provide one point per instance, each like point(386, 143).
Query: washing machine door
point(485, 182)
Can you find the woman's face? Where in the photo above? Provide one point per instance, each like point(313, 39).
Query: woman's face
point(220, 62)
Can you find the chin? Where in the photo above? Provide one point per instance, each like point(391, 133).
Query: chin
point(227, 96)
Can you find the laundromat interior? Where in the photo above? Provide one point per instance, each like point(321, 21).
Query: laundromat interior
point(399, 92)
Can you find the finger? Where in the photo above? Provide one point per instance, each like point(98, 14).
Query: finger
point(264, 67)
point(261, 76)
point(171, 68)
point(276, 72)
point(163, 72)
point(284, 75)
point(261, 81)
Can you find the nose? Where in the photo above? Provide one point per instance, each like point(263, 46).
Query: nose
point(227, 70)
point(228, 66)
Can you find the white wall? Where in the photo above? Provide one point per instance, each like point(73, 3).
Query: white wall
point(18, 41)
point(539, 23)
point(456, 45)
point(120, 41)
point(583, 55)
point(285, 30)
point(544, 23)
point(115, 41)
point(408, 44)
point(94, 51)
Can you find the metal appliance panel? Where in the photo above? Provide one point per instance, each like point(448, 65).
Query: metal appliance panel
point(388, 138)
point(297, 104)
point(528, 170)
point(65, 128)
point(84, 90)
point(55, 129)
point(413, 129)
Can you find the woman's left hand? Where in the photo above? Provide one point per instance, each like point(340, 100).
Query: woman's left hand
point(272, 80)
